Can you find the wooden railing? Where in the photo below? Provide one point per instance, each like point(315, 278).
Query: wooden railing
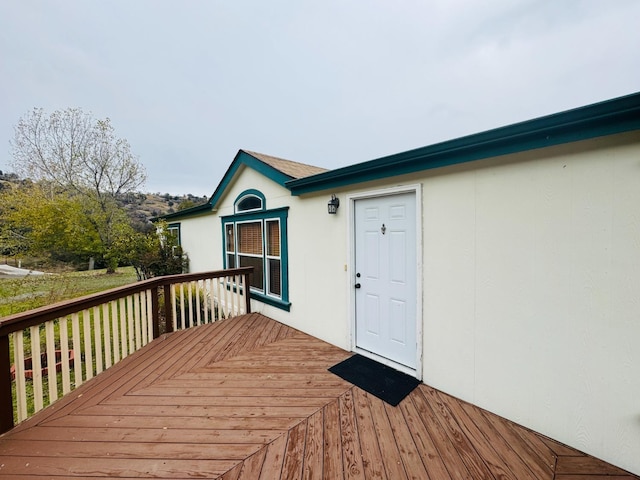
point(47, 352)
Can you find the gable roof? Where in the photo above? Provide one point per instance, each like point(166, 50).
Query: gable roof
point(288, 167)
point(605, 118)
point(276, 169)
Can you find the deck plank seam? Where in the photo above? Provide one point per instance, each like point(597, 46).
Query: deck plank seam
point(401, 424)
point(439, 436)
point(504, 454)
point(527, 437)
point(472, 457)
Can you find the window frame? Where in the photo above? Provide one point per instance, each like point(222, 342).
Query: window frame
point(238, 253)
point(263, 216)
point(175, 227)
point(251, 193)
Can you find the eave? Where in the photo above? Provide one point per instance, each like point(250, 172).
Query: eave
point(187, 212)
point(244, 159)
point(605, 118)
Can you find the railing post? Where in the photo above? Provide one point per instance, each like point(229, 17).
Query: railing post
point(6, 401)
point(168, 309)
point(247, 292)
point(155, 311)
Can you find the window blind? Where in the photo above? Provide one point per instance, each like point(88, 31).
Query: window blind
point(273, 238)
point(250, 238)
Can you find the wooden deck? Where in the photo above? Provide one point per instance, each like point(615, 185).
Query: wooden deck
point(249, 398)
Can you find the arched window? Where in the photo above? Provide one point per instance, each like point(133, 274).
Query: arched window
point(249, 201)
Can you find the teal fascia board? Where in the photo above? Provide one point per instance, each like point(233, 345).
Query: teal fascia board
point(243, 158)
point(605, 118)
point(187, 212)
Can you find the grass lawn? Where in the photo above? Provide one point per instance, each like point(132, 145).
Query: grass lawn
point(25, 293)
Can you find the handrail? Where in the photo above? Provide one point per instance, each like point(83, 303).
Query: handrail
point(145, 306)
point(23, 320)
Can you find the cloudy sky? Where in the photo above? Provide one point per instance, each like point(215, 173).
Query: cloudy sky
point(330, 83)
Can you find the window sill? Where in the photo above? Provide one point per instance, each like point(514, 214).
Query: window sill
point(274, 302)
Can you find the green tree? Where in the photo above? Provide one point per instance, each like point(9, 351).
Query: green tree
point(49, 222)
point(154, 253)
point(82, 158)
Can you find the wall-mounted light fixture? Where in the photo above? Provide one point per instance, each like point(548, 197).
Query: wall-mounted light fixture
point(333, 205)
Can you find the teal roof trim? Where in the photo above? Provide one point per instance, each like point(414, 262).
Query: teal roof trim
point(243, 158)
point(605, 118)
point(187, 212)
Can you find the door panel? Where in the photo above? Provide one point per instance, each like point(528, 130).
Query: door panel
point(385, 258)
point(372, 315)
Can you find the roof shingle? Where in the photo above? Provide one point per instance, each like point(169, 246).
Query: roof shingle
point(288, 167)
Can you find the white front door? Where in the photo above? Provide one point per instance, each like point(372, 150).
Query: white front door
point(385, 279)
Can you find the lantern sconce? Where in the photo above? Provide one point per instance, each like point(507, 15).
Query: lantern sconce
point(333, 205)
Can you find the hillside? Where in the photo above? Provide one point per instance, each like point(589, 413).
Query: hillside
point(140, 206)
point(143, 206)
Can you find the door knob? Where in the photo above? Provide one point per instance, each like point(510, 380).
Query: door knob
point(357, 285)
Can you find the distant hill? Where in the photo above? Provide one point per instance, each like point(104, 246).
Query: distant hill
point(140, 206)
point(143, 206)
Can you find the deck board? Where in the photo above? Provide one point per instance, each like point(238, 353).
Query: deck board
point(274, 456)
point(250, 398)
point(332, 448)
point(353, 467)
point(431, 459)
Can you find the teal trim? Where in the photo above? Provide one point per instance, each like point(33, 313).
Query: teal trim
point(252, 192)
point(187, 212)
point(256, 215)
point(274, 302)
point(224, 246)
point(277, 213)
point(605, 118)
point(241, 159)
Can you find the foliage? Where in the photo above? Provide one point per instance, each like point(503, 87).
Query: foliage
point(47, 221)
point(154, 253)
point(83, 160)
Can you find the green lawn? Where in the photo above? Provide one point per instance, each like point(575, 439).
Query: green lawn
point(21, 294)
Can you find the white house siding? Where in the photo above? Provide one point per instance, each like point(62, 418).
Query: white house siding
point(200, 239)
point(531, 299)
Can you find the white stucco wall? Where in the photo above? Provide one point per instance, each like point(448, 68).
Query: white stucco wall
point(531, 301)
point(201, 240)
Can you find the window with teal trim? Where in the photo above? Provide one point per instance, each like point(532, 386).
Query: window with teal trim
point(249, 201)
point(257, 238)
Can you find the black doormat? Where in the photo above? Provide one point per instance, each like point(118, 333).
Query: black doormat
point(380, 380)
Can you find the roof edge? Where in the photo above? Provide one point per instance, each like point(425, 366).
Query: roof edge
point(604, 118)
point(243, 158)
point(187, 212)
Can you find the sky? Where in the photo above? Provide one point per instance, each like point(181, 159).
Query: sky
point(329, 83)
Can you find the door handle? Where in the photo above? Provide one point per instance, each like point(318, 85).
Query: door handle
point(357, 285)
